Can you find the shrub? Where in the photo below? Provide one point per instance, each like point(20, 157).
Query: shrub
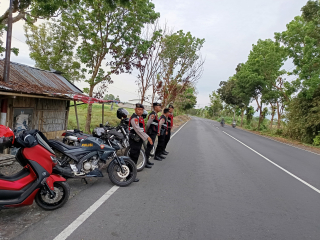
point(316, 141)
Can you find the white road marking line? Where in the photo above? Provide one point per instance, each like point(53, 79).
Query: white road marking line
point(76, 223)
point(178, 130)
point(84, 216)
point(286, 171)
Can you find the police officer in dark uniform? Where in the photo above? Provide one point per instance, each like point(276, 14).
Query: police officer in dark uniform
point(163, 131)
point(152, 128)
point(170, 125)
point(137, 133)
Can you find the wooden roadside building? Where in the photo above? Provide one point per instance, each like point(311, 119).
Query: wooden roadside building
point(36, 99)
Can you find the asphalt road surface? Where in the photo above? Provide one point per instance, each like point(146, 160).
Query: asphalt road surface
point(216, 183)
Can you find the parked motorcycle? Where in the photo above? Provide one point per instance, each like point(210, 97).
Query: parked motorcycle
point(74, 137)
point(37, 180)
point(120, 134)
point(88, 159)
point(234, 124)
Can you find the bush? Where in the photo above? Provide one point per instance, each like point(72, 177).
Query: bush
point(316, 141)
point(279, 132)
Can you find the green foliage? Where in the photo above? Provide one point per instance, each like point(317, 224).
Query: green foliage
point(302, 43)
point(52, 45)
point(316, 141)
point(249, 114)
point(109, 97)
point(181, 64)
point(303, 117)
point(216, 104)
point(106, 31)
point(187, 100)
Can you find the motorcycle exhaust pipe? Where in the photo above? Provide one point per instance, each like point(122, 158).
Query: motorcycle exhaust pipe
point(65, 172)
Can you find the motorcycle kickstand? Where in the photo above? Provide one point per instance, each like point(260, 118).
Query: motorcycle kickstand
point(85, 180)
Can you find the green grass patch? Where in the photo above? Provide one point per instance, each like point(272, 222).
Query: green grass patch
point(109, 116)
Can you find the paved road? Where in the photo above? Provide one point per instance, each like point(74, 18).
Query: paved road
point(210, 187)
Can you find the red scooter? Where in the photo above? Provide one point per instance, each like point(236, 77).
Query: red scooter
point(36, 180)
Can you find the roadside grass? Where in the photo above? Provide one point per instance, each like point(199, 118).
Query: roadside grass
point(109, 116)
point(266, 130)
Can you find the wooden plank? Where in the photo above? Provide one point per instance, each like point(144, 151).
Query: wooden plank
point(75, 108)
point(102, 113)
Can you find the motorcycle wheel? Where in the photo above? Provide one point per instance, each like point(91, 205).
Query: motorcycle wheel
point(114, 173)
point(62, 190)
point(142, 161)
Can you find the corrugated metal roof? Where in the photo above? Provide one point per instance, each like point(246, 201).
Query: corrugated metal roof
point(26, 79)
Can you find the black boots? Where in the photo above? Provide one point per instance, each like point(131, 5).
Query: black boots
point(157, 158)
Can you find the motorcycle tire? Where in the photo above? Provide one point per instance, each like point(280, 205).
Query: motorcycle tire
point(48, 204)
point(113, 170)
point(142, 161)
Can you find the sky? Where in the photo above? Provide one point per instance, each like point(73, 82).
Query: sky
point(229, 28)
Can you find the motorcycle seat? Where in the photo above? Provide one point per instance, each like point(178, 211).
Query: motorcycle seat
point(15, 177)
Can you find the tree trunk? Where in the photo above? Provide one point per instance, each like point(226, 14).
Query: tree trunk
point(279, 115)
point(242, 113)
point(260, 112)
point(89, 112)
point(234, 114)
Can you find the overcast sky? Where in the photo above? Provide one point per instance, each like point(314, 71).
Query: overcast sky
point(229, 28)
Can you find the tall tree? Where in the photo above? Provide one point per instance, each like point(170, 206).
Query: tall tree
point(302, 43)
point(215, 104)
point(257, 76)
point(148, 63)
point(52, 47)
point(182, 64)
point(107, 32)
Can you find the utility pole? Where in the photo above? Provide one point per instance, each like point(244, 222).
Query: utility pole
point(6, 70)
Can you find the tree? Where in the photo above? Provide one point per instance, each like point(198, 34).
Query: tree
point(302, 43)
point(51, 47)
point(228, 94)
point(216, 104)
point(181, 64)
point(249, 114)
point(148, 64)
point(109, 97)
point(186, 100)
point(31, 11)
point(257, 76)
point(105, 32)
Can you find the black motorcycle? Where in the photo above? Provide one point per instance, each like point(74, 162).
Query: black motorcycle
point(121, 134)
point(88, 159)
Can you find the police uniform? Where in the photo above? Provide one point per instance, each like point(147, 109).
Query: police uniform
point(137, 136)
point(152, 129)
point(161, 139)
point(168, 136)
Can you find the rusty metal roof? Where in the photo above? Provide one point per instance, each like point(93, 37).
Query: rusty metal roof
point(26, 79)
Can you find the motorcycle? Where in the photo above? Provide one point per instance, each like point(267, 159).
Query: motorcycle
point(234, 124)
point(37, 180)
point(73, 137)
point(88, 159)
point(121, 134)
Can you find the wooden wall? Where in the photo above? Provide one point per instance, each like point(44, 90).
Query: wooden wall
point(49, 115)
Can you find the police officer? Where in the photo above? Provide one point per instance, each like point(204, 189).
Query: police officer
point(170, 125)
point(152, 128)
point(137, 134)
point(162, 132)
